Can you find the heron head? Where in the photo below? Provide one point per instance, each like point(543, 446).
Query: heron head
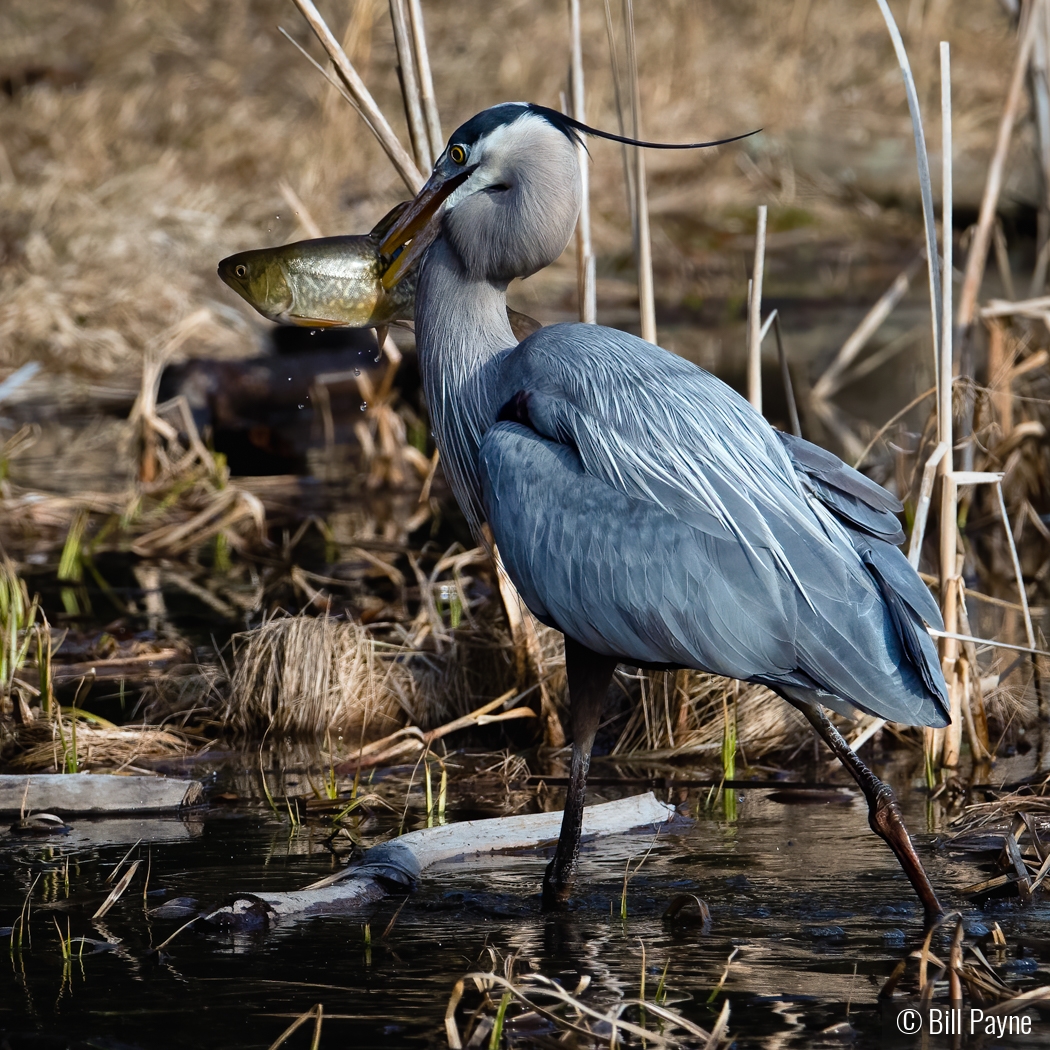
point(505, 193)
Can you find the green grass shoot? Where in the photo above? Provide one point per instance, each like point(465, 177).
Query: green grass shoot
point(497, 1025)
point(729, 746)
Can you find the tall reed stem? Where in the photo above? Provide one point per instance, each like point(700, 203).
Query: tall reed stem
point(925, 183)
point(584, 252)
point(643, 243)
point(754, 321)
point(949, 491)
point(426, 81)
point(406, 62)
point(978, 253)
point(628, 172)
point(362, 98)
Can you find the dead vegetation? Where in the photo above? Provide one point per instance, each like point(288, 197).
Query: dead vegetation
point(300, 676)
point(509, 1006)
point(149, 144)
point(79, 744)
point(967, 977)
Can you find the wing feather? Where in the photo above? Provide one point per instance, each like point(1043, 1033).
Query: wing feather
point(849, 495)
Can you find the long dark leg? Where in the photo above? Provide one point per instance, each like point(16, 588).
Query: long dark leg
point(589, 675)
point(884, 814)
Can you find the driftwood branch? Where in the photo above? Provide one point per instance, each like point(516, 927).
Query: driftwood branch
point(94, 793)
point(399, 862)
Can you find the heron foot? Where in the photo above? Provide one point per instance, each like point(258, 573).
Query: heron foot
point(885, 819)
point(557, 885)
point(884, 815)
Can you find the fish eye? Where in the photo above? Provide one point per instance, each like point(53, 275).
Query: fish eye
point(240, 270)
point(458, 155)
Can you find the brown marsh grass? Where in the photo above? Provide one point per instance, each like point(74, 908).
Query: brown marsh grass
point(77, 745)
point(142, 144)
point(302, 675)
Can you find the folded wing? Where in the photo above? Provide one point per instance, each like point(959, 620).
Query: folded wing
point(642, 507)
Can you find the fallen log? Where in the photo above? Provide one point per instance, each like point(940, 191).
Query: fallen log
point(84, 793)
point(396, 865)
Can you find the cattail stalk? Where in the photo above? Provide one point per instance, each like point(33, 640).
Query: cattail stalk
point(978, 253)
point(406, 62)
point(362, 98)
point(949, 490)
point(426, 81)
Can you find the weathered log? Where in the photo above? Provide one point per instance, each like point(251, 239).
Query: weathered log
point(397, 864)
point(69, 793)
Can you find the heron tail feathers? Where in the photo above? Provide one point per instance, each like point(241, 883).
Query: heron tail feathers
point(908, 609)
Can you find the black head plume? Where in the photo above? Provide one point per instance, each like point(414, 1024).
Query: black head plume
point(572, 128)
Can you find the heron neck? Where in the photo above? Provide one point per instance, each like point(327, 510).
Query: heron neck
point(461, 331)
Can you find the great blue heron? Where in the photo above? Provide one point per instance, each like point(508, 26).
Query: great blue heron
point(640, 505)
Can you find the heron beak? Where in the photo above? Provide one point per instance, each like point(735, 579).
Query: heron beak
point(419, 225)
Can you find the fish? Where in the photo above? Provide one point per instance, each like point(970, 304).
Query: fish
point(333, 282)
point(325, 282)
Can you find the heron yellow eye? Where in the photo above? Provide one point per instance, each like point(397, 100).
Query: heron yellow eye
point(240, 270)
point(457, 155)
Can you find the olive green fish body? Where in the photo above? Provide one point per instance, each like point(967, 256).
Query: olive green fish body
point(318, 283)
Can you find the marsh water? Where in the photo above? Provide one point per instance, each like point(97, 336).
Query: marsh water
point(812, 903)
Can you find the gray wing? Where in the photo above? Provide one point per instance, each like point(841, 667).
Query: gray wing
point(846, 492)
point(699, 546)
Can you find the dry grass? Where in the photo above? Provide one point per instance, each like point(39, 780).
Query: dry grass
point(304, 676)
point(300, 676)
point(682, 715)
point(158, 139)
point(55, 746)
point(534, 1007)
point(155, 139)
point(965, 977)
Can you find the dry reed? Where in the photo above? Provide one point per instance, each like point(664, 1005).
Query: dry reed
point(110, 237)
point(301, 675)
point(56, 746)
point(680, 715)
point(520, 998)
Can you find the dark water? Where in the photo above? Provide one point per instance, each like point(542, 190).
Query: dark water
point(815, 904)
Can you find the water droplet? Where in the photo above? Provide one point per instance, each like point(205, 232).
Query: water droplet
point(302, 406)
point(364, 405)
point(357, 371)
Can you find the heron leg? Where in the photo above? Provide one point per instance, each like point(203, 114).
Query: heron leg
point(589, 675)
point(884, 815)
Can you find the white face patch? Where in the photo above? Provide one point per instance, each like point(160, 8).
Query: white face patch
point(490, 153)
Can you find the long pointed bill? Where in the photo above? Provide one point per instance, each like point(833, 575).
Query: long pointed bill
point(419, 225)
